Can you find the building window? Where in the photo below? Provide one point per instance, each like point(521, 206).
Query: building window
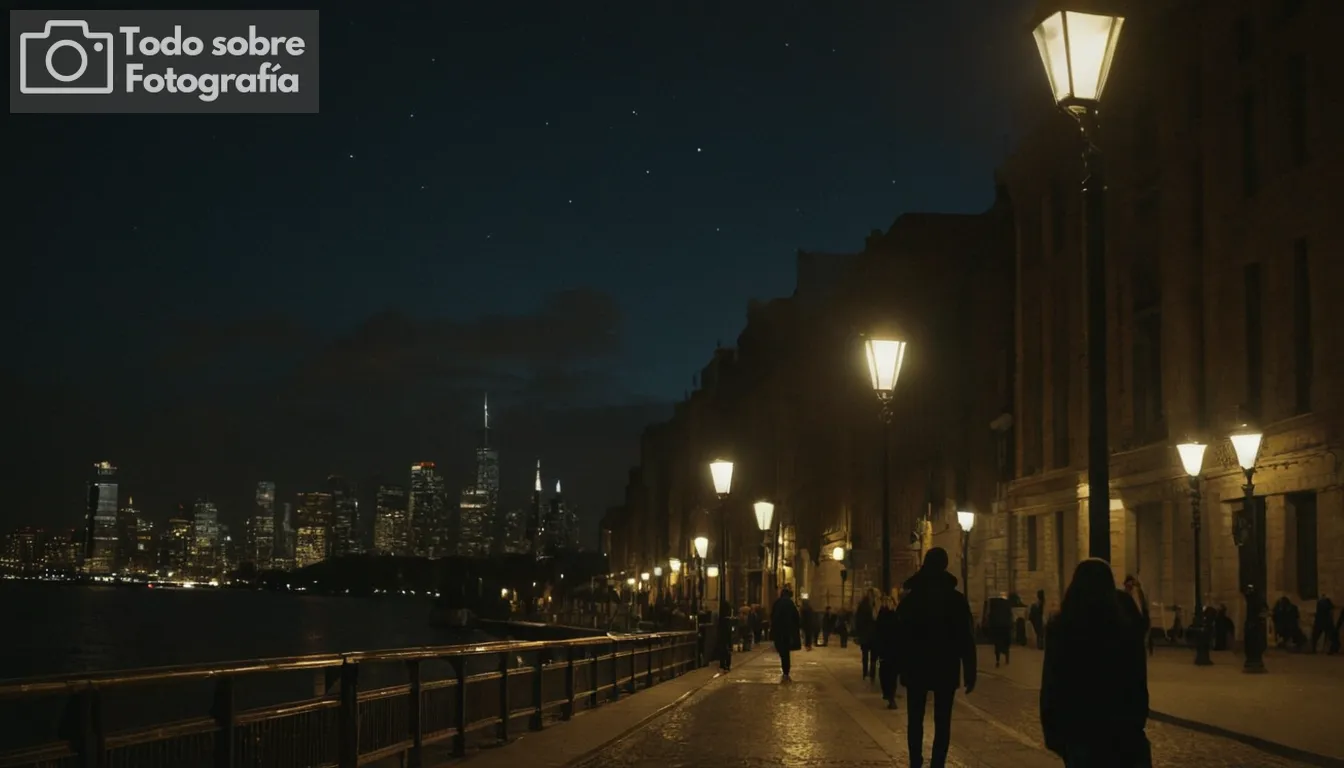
point(1245, 40)
point(1250, 166)
point(1032, 544)
point(1255, 353)
point(1297, 111)
point(1303, 508)
point(1302, 338)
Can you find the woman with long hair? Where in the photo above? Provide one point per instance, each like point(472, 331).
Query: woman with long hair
point(1094, 686)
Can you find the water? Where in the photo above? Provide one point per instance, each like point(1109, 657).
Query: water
point(64, 629)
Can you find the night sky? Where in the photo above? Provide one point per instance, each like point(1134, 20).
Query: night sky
point(565, 204)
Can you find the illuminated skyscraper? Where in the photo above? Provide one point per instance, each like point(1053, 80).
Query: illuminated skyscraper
point(286, 538)
point(391, 529)
point(480, 501)
point(314, 513)
point(100, 538)
point(425, 506)
point(128, 526)
point(260, 550)
point(559, 529)
point(175, 546)
point(535, 522)
point(343, 538)
point(207, 541)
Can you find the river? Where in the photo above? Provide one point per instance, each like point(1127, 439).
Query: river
point(64, 629)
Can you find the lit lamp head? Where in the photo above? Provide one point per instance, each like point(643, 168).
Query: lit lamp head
point(658, 570)
point(644, 576)
point(765, 513)
point(966, 519)
point(630, 581)
point(885, 357)
point(722, 472)
point(504, 592)
point(1192, 457)
point(838, 554)
point(1076, 50)
point(674, 564)
point(1246, 442)
point(712, 571)
point(701, 547)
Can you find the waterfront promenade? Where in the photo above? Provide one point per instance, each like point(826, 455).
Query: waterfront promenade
point(829, 717)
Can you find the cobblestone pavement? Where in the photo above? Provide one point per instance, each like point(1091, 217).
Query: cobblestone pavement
point(829, 718)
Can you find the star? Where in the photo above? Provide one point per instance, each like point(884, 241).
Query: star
point(646, 173)
point(786, 45)
point(352, 157)
point(412, 114)
point(716, 229)
point(571, 202)
point(422, 186)
point(548, 122)
point(490, 235)
point(697, 149)
point(634, 112)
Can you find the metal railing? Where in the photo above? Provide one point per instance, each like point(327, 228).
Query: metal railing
point(412, 723)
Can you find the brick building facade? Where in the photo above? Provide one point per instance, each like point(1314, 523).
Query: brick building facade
point(1221, 127)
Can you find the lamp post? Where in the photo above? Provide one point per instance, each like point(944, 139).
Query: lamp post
point(1076, 49)
point(840, 555)
point(966, 519)
point(701, 544)
point(765, 514)
point(885, 357)
point(1192, 460)
point(721, 471)
point(1246, 530)
point(674, 565)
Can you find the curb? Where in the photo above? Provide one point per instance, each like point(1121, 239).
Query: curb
point(595, 753)
point(1264, 745)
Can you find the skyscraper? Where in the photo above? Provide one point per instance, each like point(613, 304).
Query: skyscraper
point(344, 536)
point(391, 526)
point(480, 500)
point(426, 509)
point(261, 528)
point(535, 523)
point(558, 525)
point(128, 526)
point(314, 515)
point(207, 541)
point(286, 537)
point(100, 539)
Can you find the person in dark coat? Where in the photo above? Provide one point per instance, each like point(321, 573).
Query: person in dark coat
point(1000, 625)
point(935, 645)
point(1094, 683)
point(787, 624)
point(1323, 625)
point(1037, 618)
point(808, 616)
point(827, 626)
point(884, 647)
point(863, 635)
point(725, 639)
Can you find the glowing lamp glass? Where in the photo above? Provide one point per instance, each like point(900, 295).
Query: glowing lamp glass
point(701, 547)
point(1192, 457)
point(1076, 50)
point(966, 520)
point(885, 358)
point(722, 472)
point(765, 512)
point(1247, 445)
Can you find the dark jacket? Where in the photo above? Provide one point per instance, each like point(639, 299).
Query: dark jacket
point(1094, 686)
point(935, 638)
point(884, 635)
point(785, 624)
point(863, 622)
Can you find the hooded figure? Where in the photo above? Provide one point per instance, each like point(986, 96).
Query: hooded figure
point(1094, 683)
point(935, 644)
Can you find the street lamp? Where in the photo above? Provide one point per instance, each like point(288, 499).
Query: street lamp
point(1076, 50)
point(1192, 460)
point(838, 555)
point(712, 571)
point(1246, 530)
point(765, 515)
point(674, 564)
point(885, 358)
point(721, 471)
point(658, 571)
point(966, 519)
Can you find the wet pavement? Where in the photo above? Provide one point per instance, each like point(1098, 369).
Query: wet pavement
point(829, 718)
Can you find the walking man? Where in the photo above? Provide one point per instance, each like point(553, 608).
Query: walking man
point(935, 645)
point(786, 622)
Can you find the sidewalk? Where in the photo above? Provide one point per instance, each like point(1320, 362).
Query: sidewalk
point(1295, 705)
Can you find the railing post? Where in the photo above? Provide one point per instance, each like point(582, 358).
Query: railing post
point(82, 726)
point(592, 652)
point(415, 716)
point(223, 711)
point(634, 675)
point(348, 732)
point(538, 670)
point(615, 670)
point(568, 711)
point(648, 664)
point(504, 709)
point(460, 738)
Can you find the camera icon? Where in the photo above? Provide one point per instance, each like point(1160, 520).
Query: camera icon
point(93, 74)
